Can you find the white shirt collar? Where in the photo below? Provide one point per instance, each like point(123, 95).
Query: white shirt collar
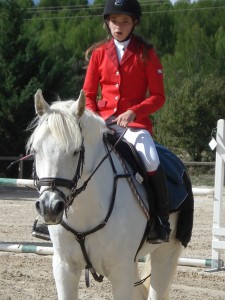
point(122, 45)
point(120, 48)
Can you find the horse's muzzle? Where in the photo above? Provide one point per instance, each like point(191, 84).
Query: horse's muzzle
point(51, 207)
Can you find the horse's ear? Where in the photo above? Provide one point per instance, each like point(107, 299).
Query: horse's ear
point(41, 106)
point(81, 104)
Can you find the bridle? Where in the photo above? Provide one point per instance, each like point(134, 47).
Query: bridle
point(52, 184)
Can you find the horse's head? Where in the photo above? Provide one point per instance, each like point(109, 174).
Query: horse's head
point(57, 145)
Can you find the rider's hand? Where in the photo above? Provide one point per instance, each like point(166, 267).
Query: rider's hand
point(124, 119)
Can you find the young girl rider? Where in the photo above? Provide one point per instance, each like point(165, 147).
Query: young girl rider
point(130, 76)
point(131, 79)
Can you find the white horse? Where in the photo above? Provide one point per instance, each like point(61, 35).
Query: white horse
point(92, 223)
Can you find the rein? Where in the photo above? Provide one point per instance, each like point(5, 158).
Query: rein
point(76, 191)
point(80, 237)
point(53, 182)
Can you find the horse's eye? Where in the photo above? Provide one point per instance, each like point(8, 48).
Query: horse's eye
point(33, 151)
point(75, 152)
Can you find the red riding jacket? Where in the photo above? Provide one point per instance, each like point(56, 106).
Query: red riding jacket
point(124, 85)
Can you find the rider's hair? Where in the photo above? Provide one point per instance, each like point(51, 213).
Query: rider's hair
point(141, 44)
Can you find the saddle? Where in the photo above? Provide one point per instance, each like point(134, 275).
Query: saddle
point(131, 156)
point(172, 165)
point(178, 182)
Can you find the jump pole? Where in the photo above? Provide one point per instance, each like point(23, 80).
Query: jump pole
point(196, 262)
point(16, 182)
point(42, 250)
point(189, 262)
point(7, 247)
point(202, 191)
point(30, 183)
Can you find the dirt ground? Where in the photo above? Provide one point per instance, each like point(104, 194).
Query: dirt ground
point(26, 276)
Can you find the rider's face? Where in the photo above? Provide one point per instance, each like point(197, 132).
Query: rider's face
point(120, 26)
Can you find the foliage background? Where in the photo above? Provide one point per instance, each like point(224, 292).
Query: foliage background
point(42, 46)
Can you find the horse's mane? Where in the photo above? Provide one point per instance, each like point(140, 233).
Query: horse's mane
point(64, 126)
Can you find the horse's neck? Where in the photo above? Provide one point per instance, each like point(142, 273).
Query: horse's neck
point(94, 153)
point(91, 206)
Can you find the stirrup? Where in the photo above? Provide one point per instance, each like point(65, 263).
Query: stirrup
point(158, 233)
point(164, 228)
point(154, 239)
point(40, 230)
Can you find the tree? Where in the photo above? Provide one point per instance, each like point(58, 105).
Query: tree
point(42, 46)
point(23, 70)
point(220, 51)
point(157, 25)
point(61, 3)
point(192, 113)
point(195, 93)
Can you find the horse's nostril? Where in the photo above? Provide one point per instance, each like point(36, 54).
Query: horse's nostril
point(59, 207)
point(37, 205)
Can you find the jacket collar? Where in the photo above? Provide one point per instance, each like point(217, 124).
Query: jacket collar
point(112, 53)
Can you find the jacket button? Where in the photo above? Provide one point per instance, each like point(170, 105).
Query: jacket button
point(117, 73)
point(117, 85)
point(116, 97)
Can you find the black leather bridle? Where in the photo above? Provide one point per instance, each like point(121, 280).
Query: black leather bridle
point(52, 184)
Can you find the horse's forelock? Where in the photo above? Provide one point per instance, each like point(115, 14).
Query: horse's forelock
point(62, 124)
point(61, 121)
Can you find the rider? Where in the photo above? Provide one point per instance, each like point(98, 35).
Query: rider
point(131, 79)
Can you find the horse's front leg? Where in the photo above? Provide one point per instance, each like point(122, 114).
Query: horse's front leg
point(163, 267)
point(67, 277)
point(122, 279)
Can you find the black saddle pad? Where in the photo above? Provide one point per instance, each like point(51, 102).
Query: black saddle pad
point(178, 184)
point(173, 167)
point(174, 170)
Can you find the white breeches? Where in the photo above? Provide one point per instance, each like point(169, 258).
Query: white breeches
point(144, 144)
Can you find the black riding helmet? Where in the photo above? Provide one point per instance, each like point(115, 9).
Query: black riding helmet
point(126, 7)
